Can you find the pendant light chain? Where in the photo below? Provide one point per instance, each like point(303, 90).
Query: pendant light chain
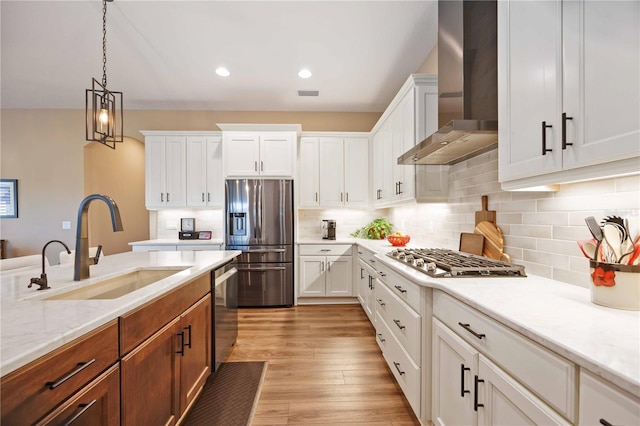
point(104, 43)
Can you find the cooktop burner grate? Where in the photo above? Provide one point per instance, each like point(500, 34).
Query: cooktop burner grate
point(442, 263)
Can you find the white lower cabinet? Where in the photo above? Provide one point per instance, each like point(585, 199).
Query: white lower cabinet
point(532, 385)
point(365, 275)
point(469, 389)
point(406, 372)
point(399, 333)
point(454, 367)
point(325, 271)
point(601, 403)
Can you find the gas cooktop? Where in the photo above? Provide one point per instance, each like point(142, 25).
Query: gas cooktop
point(443, 263)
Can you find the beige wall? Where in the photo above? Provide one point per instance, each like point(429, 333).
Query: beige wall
point(118, 173)
point(44, 150)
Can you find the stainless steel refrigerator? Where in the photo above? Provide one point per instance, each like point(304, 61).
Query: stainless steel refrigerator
point(259, 222)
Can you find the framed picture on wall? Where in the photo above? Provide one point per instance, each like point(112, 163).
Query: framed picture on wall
point(8, 198)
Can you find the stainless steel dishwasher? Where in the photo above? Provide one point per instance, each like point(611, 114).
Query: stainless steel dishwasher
point(225, 312)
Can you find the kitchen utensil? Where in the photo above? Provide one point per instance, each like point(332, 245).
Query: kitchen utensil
point(484, 214)
point(494, 242)
point(471, 243)
point(634, 259)
point(613, 238)
point(618, 222)
point(588, 248)
point(595, 231)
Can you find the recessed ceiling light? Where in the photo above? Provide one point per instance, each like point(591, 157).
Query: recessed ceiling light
point(223, 72)
point(304, 73)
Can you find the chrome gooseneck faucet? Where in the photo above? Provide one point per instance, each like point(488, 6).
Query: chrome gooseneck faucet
point(42, 281)
point(82, 261)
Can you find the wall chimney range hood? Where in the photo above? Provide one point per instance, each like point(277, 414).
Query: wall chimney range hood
point(467, 85)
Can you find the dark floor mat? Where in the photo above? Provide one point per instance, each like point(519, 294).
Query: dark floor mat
point(230, 395)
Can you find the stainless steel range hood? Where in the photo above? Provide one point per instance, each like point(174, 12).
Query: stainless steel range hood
point(467, 85)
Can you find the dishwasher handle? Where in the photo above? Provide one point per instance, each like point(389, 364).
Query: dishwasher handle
point(225, 276)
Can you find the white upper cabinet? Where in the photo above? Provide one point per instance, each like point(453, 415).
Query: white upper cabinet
point(569, 84)
point(410, 118)
point(242, 154)
point(183, 169)
point(331, 172)
point(334, 170)
point(356, 171)
point(165, 168)
point(259, 150)
point(308, 173)
point(204, 171)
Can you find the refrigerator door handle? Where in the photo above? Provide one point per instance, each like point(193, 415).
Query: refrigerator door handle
point(259, 219)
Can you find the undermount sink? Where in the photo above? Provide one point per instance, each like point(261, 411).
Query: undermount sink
point(113, 288)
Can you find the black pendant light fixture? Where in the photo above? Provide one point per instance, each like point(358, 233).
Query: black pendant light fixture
point(103, 107)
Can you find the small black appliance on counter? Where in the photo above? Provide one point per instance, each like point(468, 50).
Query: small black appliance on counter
point(328, 229)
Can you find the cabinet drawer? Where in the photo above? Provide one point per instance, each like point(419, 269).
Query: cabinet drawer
point(406, 372)
point(601, 400)
point(32, 391)
point(367, 255)
point(97, 404)
point(403, 321)
point(548, 375)
point(325, 250)
point(405, 290)
point(141, 323)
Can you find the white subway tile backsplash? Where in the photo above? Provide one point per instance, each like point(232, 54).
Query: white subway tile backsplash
point(535, 231)
point(547, 258)
point(559, 247)
point(546, 218)
point(571, 233)
point(520, 206)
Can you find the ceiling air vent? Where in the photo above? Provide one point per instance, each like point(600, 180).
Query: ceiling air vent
point(308, 92)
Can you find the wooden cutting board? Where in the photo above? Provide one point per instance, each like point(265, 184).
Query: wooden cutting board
point(471, 243)
point(493, 240)
point(485, 215)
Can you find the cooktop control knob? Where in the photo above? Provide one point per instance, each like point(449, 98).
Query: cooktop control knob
point(431, 267)
point(408, 258)
point(420, 263)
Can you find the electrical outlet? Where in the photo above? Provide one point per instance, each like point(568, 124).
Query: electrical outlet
point(172, 224)
point(66, 224)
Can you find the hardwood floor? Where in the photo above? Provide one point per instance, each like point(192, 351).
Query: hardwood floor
point(325, 367)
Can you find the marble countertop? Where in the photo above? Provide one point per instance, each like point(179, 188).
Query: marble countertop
point(31, 327)
point(174, 242)
point(557, 315)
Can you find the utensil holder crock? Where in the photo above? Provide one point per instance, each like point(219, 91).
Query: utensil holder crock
point(615, 285)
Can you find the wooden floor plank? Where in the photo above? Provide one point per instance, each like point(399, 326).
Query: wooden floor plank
point(325, 368)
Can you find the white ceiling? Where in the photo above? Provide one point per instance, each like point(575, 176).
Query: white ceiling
point(162, 54)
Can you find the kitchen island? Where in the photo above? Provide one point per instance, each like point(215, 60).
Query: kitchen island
point(32, 327)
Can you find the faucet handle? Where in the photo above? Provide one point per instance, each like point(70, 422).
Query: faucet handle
point(42, 282)
point(96, 259)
